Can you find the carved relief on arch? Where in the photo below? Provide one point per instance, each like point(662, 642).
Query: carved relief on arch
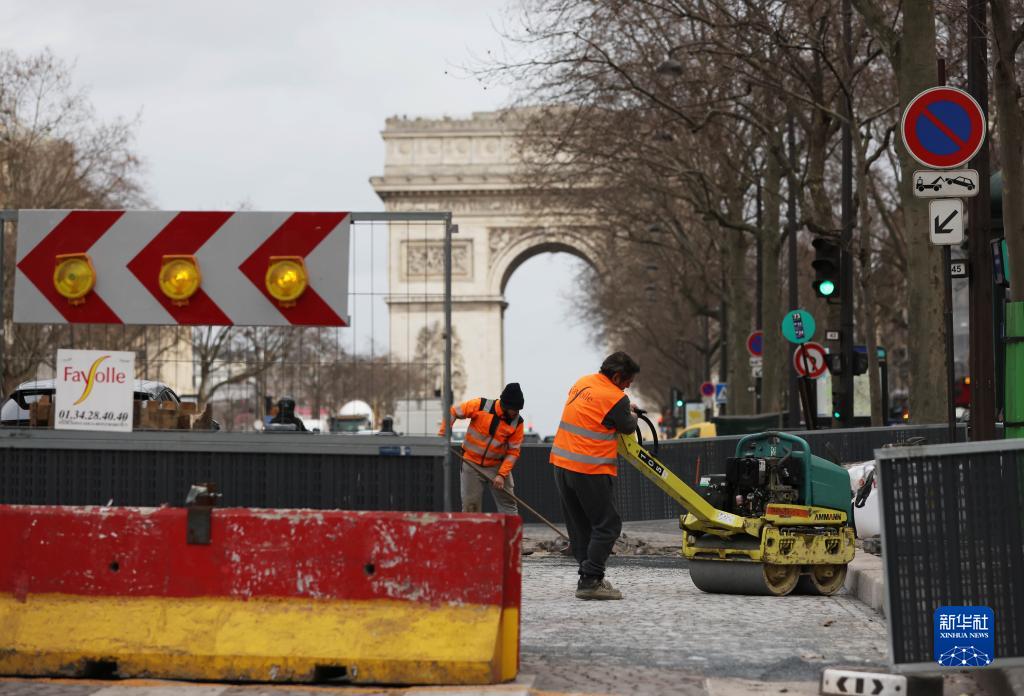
point(424, 260)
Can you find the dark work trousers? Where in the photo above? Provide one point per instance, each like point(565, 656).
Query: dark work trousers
point(590, 516)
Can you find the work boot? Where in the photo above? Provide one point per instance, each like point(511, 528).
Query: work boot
point(596, 588)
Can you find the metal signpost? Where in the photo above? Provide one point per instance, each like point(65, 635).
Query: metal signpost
point(798, 327)
point(707, 392)
point(755, 346)
point(943, 128)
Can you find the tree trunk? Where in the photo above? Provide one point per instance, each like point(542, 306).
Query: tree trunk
point(775, 361)
point(913, 57)
point(1011, 141)
point(868, 314)
point(916, 71)
point(741, 394)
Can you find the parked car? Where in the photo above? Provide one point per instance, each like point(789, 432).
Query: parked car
point(15, 408)
point(697, 430)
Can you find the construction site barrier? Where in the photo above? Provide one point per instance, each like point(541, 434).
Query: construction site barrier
point(952, 535)
point(259, 595)
point(350, 472)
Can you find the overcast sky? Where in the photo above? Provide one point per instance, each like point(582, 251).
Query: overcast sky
point(279, 106)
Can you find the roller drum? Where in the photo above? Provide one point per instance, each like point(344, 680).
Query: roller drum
point(743, 577)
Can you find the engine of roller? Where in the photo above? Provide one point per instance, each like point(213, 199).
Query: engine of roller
point(750, 484)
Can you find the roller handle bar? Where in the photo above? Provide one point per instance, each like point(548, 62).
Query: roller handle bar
point(654, 431)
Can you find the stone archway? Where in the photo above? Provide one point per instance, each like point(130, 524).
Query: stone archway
point(511, 247)
point(466, 166)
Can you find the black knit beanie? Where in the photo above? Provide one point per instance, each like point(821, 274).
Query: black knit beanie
point(512, 396)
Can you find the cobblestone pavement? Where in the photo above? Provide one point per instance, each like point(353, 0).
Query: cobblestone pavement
point(665, 623)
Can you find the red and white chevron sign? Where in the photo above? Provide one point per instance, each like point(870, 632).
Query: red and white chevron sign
point(232, 249)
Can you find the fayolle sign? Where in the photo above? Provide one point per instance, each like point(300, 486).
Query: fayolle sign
point(94, 390)
point(166, 267)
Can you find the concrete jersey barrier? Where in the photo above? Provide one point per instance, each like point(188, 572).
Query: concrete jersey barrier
point(276, 595)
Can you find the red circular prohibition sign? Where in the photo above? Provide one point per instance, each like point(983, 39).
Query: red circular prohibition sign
point(966, 144)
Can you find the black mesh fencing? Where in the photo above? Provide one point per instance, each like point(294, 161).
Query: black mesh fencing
point(355, 472)
point(952, 535)
point(250, 470)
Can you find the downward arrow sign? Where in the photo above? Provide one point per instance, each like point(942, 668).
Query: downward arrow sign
point(940, 228)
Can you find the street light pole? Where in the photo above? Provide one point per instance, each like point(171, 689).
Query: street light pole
point(846, 237)
point(794, 291)
point(759, 317)
point(982, 322)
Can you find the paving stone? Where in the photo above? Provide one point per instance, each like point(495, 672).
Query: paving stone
point(46, 687)
point(665, 623)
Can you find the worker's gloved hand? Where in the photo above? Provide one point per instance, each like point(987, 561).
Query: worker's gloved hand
point(499, 482)
point(637, 410)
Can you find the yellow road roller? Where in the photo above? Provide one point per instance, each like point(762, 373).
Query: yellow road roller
point(776, 521)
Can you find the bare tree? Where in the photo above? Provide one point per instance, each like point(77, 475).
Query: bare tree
point(54, 153)
point(911, 50)
point(1007, 40)
point(670, 115)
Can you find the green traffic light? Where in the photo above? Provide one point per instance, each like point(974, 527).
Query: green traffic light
point(826, 288)
point(679, 402)
point(837, 415)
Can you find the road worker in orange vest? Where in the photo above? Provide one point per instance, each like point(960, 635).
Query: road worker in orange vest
point(584, 455)
point(493, 441)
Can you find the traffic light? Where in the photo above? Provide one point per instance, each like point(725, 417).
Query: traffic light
point(676, 401)
point(826, 268)
point(835, 363)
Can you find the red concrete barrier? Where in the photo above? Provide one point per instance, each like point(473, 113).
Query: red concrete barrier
point(276, 595)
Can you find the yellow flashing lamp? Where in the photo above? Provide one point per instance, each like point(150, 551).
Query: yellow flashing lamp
point(180, 277)
point(74, 276)
point(286, 279)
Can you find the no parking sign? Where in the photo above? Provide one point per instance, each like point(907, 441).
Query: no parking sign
point(943, 127)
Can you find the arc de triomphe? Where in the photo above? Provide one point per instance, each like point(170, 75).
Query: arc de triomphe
point(466, 166)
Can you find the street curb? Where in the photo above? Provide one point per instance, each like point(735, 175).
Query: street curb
point(865, 580)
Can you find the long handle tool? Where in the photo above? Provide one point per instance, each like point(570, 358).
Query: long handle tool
point(489, 478)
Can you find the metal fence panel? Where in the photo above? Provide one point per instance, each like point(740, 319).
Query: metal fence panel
point(273, 470)
point(292, 470)
point(952, 535)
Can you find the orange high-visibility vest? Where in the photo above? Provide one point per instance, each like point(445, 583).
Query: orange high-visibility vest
point(582, 443)
point(490, 440)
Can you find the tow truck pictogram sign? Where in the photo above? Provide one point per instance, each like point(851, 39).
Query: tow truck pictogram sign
point(233, 268)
